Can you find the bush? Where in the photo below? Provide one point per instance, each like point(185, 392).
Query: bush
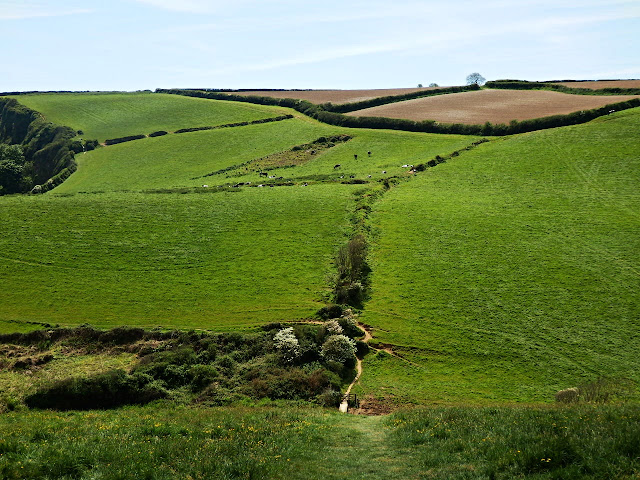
point(159, 133)
point(329, 398)
point(339, 348)
point(330, 311)
point(362, 348)
point(287, 344)
point(114, 141)
point(107, 390)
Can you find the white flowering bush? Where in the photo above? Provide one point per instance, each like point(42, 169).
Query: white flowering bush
point(339, 348)
point(287, 344)
point(333, 327)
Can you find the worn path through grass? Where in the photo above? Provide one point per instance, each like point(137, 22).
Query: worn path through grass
point(361, 449)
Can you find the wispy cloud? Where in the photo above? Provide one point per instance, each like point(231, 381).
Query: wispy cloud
point(18, 10)
point(190, 6)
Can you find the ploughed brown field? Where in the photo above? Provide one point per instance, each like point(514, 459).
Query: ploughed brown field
point(598, 84)
point(333, 96)
point(495, 106)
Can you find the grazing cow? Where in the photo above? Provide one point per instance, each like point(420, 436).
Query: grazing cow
point(368, 176)
point(352, 176)
point(384, 171)
point(369, 153)
point(205, 186)
point(610, 112)
point(336, 166)
point(405, 166)
point(355, 156)
point(263, 174)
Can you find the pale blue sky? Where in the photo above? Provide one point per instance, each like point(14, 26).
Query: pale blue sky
point(145, 44)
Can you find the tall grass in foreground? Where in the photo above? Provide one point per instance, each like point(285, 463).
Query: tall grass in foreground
point(164, 441)
point(503, 443)
point(154, 443)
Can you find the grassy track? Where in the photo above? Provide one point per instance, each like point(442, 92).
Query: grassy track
point(112, 115)
point(223, 261)
point(513, 269)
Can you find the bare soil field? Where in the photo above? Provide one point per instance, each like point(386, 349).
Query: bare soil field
point(495, 106)
point(598, 84)
point(333, 96)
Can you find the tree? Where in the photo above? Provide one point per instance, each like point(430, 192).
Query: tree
point(419, 85)
point(434, 85)
point(11, 168)
point(475, 78)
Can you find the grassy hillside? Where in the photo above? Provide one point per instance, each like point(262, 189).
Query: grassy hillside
point(219, 260)
point(174, 160)
point(502, 275)
point(303, 443)
point(112, 115)
point(511, 271)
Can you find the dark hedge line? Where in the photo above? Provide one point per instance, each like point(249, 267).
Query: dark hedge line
point(238, 124)
point(159, 133)
point(48, 149)
point(115, 141)
point(375, 102)
point(427, 126)
point(525, 85)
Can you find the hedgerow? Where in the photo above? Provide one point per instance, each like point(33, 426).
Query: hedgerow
point(326, 113)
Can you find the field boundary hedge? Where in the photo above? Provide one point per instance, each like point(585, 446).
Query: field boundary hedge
point(525, 85)
point(320, 113)
point(48, 148)
point(129, 138)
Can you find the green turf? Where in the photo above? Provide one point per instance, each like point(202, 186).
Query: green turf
point(513, 269)
point(112, 115)
point(220, 260)
point(165, 442)
point(183, 159)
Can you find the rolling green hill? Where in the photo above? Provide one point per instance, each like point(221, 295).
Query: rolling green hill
point(112, 115)
point(502, 275)
point(512, 271)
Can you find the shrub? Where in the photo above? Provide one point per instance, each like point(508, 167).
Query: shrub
point(114, 141)
point(330, 311)
point(339, 348)
point(329, 398)
point(349, 325)
point(333, 327)
point(202, 376)
point(108, 390)
point(287, 344)
point(362, 348)
point(159, 133)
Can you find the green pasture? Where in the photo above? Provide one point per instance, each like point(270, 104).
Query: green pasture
point(186, 160)
point(511, 271)
point(181, 160)
point(112, 115)
point(218, 261)
point(167, 441)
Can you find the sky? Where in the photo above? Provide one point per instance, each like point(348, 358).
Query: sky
point(346, 44)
